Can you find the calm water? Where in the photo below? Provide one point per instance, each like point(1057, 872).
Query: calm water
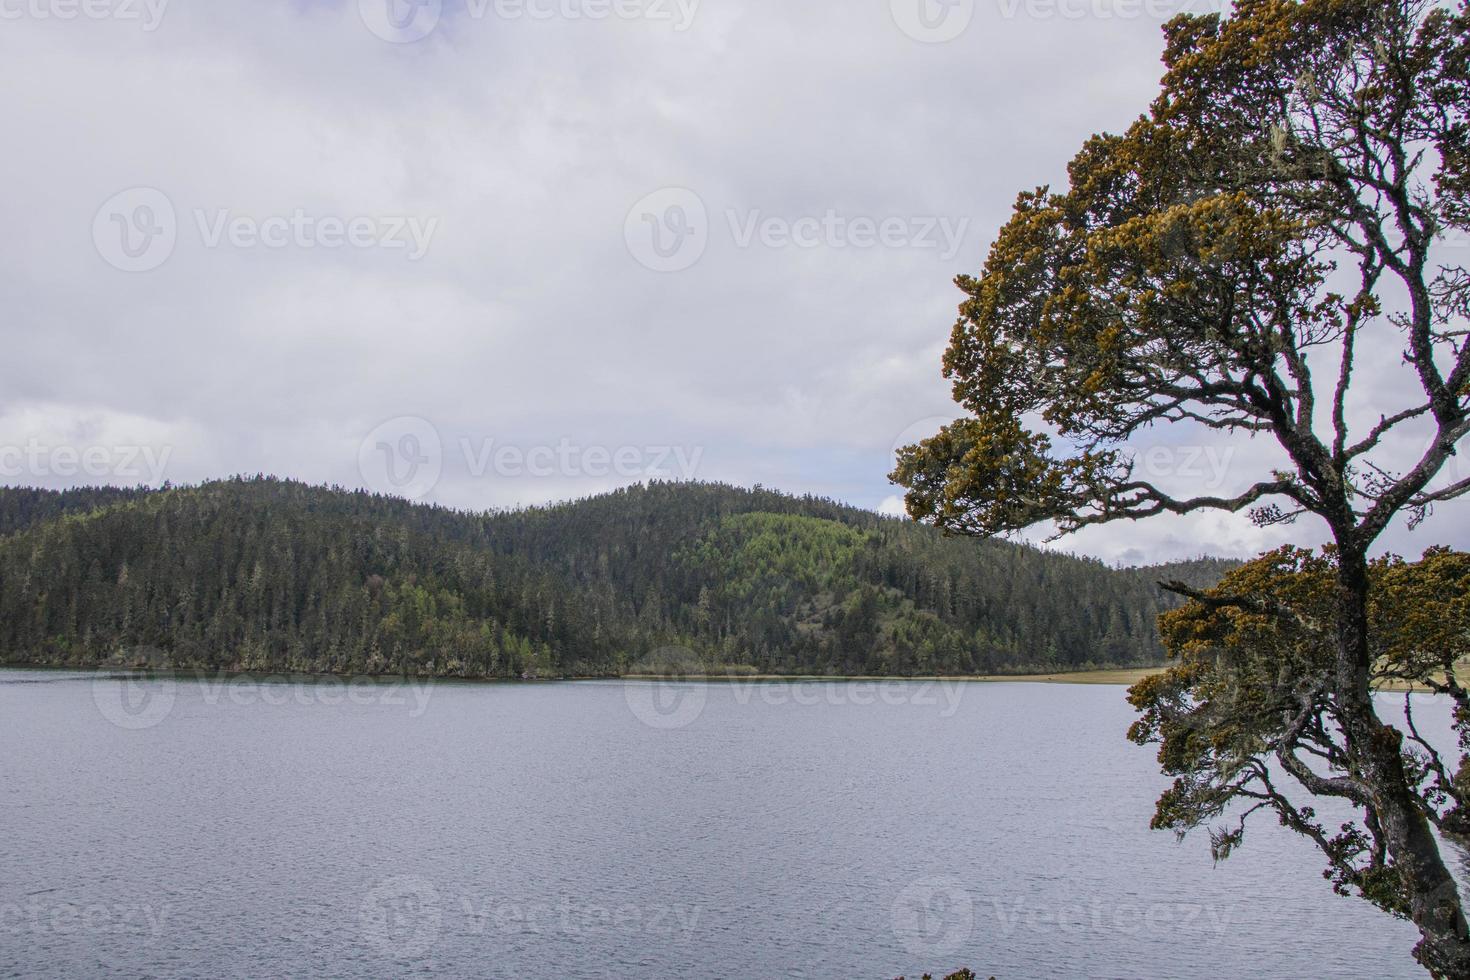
point(186, 828)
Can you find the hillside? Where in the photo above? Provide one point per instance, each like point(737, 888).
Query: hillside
point(273, 575)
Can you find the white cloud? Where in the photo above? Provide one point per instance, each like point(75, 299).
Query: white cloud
point(528, 321)
point(892, 506)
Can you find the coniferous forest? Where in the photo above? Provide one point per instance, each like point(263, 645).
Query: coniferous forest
point(264, 574)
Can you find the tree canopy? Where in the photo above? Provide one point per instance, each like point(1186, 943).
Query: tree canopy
point(1245, 711)
point(1219, 264)
point(1223, 269)
point(271, 575)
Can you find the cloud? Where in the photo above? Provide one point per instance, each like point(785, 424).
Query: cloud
point(846, 168)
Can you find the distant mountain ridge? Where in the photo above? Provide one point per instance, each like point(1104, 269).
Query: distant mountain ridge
point(266, 574)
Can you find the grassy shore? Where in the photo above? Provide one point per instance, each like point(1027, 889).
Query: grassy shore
point(1113, 675)
point(1126, 676)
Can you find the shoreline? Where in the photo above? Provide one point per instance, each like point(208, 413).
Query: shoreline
point(1108, 675)
point(1116, 676)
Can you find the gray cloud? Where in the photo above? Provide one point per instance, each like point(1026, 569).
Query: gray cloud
point(529, 321)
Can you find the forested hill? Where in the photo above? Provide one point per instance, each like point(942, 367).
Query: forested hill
point(280, 576)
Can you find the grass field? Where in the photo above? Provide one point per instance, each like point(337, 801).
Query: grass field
point(1121, 675)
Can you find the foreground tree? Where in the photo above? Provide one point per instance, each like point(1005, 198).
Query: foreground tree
point(1224, 265)
point(1246, 712)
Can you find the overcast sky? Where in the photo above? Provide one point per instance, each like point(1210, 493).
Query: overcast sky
point(493, 253)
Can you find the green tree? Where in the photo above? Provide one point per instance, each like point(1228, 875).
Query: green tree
point(1246, 712)
point(273, 575)
point(1219, 267)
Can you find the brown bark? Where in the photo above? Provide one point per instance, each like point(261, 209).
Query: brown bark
point(1433, 896)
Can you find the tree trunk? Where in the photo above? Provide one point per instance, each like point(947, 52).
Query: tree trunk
point(1376, 749)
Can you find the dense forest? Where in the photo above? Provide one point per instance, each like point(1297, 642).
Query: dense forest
point(265, 574)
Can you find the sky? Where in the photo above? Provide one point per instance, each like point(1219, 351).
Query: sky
point(490, 253)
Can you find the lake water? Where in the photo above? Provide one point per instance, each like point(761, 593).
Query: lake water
point(193, 827)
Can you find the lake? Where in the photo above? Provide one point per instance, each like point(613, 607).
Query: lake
point(178, 827)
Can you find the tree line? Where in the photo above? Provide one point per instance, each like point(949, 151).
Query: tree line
point(264, 574)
